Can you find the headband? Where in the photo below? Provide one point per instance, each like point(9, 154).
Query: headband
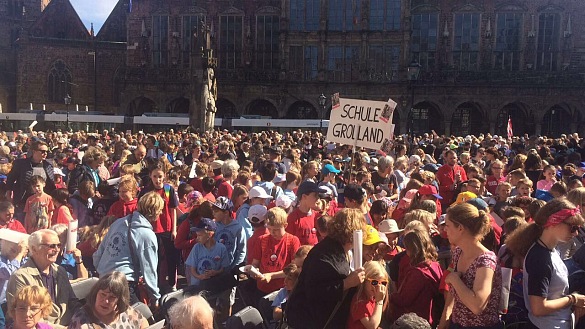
point(560, 216)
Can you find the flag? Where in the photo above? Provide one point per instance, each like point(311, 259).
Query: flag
point(129, 6)
point(510, 132)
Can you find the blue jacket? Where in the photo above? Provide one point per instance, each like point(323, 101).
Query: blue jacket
point(232, 236)
point(242, 218)
point(113, 253)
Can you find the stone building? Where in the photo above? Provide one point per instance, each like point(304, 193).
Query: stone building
point(481, 61)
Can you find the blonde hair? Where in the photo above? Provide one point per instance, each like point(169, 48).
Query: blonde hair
point(344, 223)
point(373, 270)
point(29, 295)
point(276, 217)
point(130, 184)
point(415, 225)
point(151, 205)
point(423, 216)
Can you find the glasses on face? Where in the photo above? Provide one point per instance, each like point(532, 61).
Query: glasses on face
point(51, 245)
point(573, 228)
point(43, 151)
point(374, 282)
point(25, 310)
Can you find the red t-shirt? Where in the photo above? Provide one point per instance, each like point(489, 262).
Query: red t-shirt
point(492, 183)
point(14, 225)
point(274, 255)
point(302, 226)
point(197, 185)
point(122, 209)
point(359, 310)
point(225, 189)
point(258, 232)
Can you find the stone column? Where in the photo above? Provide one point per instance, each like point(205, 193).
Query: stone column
point(538, 128)
point(447, 128)
point(492, 127)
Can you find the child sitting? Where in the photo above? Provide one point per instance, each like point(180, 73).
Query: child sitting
point(548, 174)
point(39, 206)
point(62, 213)
point(291, 272)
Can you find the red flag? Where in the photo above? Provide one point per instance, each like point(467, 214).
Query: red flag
point(510, 132)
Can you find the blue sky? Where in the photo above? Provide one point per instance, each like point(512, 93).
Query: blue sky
point(95, 12)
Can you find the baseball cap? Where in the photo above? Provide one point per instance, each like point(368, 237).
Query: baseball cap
point(258, 192)
point(407, 199)
point(337, 159)
point(279, 178)
point(206, 224)
point(58, 171)
point(328, 194)
point(389, 226)
point(429, 190)
point(329, 168)
point(216, 164)
point(307, 187)
point(223, 203)
point(478, 203)
point(463, 197)
point(257, 214)
point(371, 236)
point(283, 202)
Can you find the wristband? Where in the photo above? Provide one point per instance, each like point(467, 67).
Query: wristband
point(79, 263)
point(572, 299)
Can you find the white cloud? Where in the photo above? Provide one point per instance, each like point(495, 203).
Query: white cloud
point(95, 12)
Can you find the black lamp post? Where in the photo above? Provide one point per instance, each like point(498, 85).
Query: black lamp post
point(67, 102)
point(322, 101)
point(413, 74)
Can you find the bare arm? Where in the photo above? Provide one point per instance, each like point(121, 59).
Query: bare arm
point(447, 310)
point(475, 299)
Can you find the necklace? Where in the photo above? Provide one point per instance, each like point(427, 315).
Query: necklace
point(544, 244)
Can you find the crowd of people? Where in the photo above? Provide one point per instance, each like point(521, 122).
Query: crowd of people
point(445, 220)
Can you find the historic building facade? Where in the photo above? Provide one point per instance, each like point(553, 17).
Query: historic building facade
point(481, 61)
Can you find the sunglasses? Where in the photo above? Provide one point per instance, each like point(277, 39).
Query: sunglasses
point(377, 282)
point(43, 151)
point(573, 228)
point(51, 246)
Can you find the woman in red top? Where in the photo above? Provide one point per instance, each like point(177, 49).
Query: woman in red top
point(367, 304)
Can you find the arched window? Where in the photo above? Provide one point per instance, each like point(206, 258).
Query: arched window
point(59, 82)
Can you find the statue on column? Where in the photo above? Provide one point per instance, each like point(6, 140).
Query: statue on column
point(209, 96)
point(204, 83)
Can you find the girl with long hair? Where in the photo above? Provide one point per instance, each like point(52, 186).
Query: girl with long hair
point(367, 304)
point(62, 212)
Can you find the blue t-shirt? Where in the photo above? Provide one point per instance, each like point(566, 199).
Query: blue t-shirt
point(203, 259)
point(280, 298)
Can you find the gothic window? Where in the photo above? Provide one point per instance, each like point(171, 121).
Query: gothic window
point(192, 32)
point(230, 41)
point(466, 42)
point(385, 15)
point(383, 62)
point(343, 63)
point(267, 42)
point(508, 47)
point(548, 44)
point(424, 39)
point(304, 15)
point(160, 40)
point(343, 15)
point(303, 63)
point(59, 84)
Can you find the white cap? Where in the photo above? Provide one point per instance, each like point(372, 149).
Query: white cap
point(283, 202)
point(58, 171)
point(12, 236)
point(258, 192)
point(177, 163)
point(257, 214)
point(388, 226)
point(279, 178)
point(216, 164)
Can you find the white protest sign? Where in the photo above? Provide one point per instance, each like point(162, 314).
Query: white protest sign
point(363, 123)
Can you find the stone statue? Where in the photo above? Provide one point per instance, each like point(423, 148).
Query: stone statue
point(209, 96)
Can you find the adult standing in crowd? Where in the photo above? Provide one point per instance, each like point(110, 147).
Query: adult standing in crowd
point(449, 176)
point(323, 293)
point(92, 159)
point(41, 270)
point(18, 180)
point(131, 247)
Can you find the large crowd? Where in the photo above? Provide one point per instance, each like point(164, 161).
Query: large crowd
point(457, 232)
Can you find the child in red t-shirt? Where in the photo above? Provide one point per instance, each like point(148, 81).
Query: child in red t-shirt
point(367, 304)
point(127, 190)
point(274, 251)
point(301, 221)
point(62, 213)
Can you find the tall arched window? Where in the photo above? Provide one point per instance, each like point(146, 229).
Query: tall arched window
point(59, 82)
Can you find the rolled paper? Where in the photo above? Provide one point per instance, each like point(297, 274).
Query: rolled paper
point(506, 281)
point(12, 236)
point(358, 238)
point(72, 235)
point(253, 270)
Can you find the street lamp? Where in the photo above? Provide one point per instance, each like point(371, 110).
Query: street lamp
point(67, 103)
point(413, 72)
point(322, 100)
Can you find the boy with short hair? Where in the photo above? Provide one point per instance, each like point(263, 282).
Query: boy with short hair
point(39, 206)
point(524, 187)
point(207, 258)
point(329, 174)
point(256, 217)
point(229, 232)
point(291, 272)
point(274, 251)
point(514, 177)
point(301, 221)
